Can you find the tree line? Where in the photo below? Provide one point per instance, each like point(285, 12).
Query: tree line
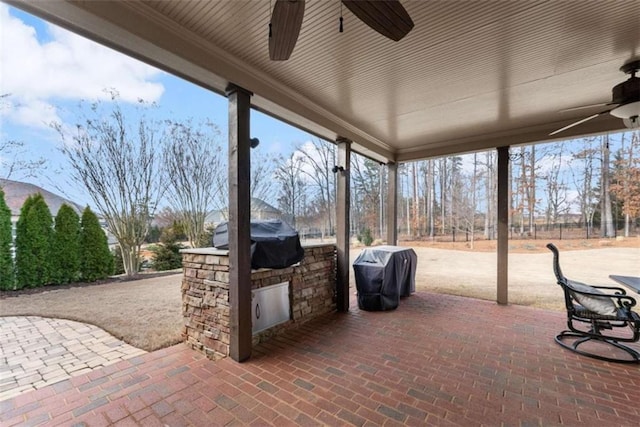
point(584, 182)
point(49, 251)
point(130, 163)
point(593, 183)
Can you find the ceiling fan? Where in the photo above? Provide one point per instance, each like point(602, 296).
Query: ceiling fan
point(387, 17)
point(625, 100)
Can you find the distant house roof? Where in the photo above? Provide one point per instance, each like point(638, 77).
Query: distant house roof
point(15, 194)
point(259, 210)
point(259, 205)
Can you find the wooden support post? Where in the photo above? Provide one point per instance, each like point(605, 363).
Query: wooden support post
point(342, 224)
point(392, 204)
point(239, 222)
point(503, 226)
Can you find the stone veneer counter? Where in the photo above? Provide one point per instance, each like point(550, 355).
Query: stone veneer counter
point(205, 294)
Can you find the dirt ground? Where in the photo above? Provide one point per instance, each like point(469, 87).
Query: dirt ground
point(147, 313)
point(453, 268)
point(529, 246)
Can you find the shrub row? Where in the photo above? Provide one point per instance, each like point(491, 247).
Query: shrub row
point(6, 258)
point(47, 252)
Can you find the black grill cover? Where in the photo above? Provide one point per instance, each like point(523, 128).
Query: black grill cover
point(384, 274)
point(274, 243)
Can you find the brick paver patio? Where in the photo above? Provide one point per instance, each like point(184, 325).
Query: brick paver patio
point(436, 360)
point(36, 352)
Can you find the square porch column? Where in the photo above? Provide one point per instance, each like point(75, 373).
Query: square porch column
point(503, 226)
point(392, 204)
point(239, 224)
point(343, 203)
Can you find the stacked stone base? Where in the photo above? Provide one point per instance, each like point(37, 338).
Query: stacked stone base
point(205, 295)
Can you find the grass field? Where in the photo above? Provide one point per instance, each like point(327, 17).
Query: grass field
point(145, 313)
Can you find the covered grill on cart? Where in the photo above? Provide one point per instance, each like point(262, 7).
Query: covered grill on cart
point(383, 275)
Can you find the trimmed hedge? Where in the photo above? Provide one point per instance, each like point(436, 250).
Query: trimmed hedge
point(23, 256)
point(7, 276)
point(34, 235)
point(66, 246)
point(70, 251)
point(96, 261)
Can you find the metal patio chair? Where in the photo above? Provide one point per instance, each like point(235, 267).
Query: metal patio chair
point(597, 314)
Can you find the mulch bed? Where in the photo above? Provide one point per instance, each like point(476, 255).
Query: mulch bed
point(113, 279)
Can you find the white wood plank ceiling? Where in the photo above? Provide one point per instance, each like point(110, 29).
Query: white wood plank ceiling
point(470, 75)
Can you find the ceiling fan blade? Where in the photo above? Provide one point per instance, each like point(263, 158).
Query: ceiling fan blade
point(286, 21)
point(579, 122)
point(388, 17)
point(582, 107)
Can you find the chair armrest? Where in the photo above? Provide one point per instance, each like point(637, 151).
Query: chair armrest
point(625, 301)
point(618, 291)
point(621, 300)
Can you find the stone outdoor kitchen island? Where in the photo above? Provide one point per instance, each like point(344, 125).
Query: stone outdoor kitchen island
point(310, 286)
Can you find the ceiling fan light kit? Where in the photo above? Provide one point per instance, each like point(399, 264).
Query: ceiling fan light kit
point(625, 100)
point(632, 122)
point(387, 17)
point(627, 110)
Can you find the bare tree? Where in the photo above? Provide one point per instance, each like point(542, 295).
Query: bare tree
point(627, 179)
point(555, 186)
point(520, 181)
point(442, 174)
point(166, 217)
point(13, 162)
point(117, 162)
point(403, 200)
point(262, 180)
point(262, 174)
point(13, 154)
point(415, 211)
point(320, 157)
point(582, 170)
point(490, 191)
point(292, 187)
point(531, 189)
point(428, 194)
point(606, 217)
point(474, 179)
point(192, 159)
point(368, 182)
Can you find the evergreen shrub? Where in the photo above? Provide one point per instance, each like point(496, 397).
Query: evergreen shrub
point(96, 261)
point(66, 246)
point(24, 259)
point(366, 238)
point(7, 277)
point(118, 263)
point(34, 234)
point(166, 255)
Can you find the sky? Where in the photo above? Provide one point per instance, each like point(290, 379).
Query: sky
point(45, 71)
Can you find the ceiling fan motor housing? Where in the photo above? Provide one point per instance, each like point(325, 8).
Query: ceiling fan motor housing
point(626, 92)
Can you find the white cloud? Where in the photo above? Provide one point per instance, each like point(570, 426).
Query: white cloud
point(34, 112)
point(65, 67)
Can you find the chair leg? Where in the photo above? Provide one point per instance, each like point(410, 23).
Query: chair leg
point(582, 338)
